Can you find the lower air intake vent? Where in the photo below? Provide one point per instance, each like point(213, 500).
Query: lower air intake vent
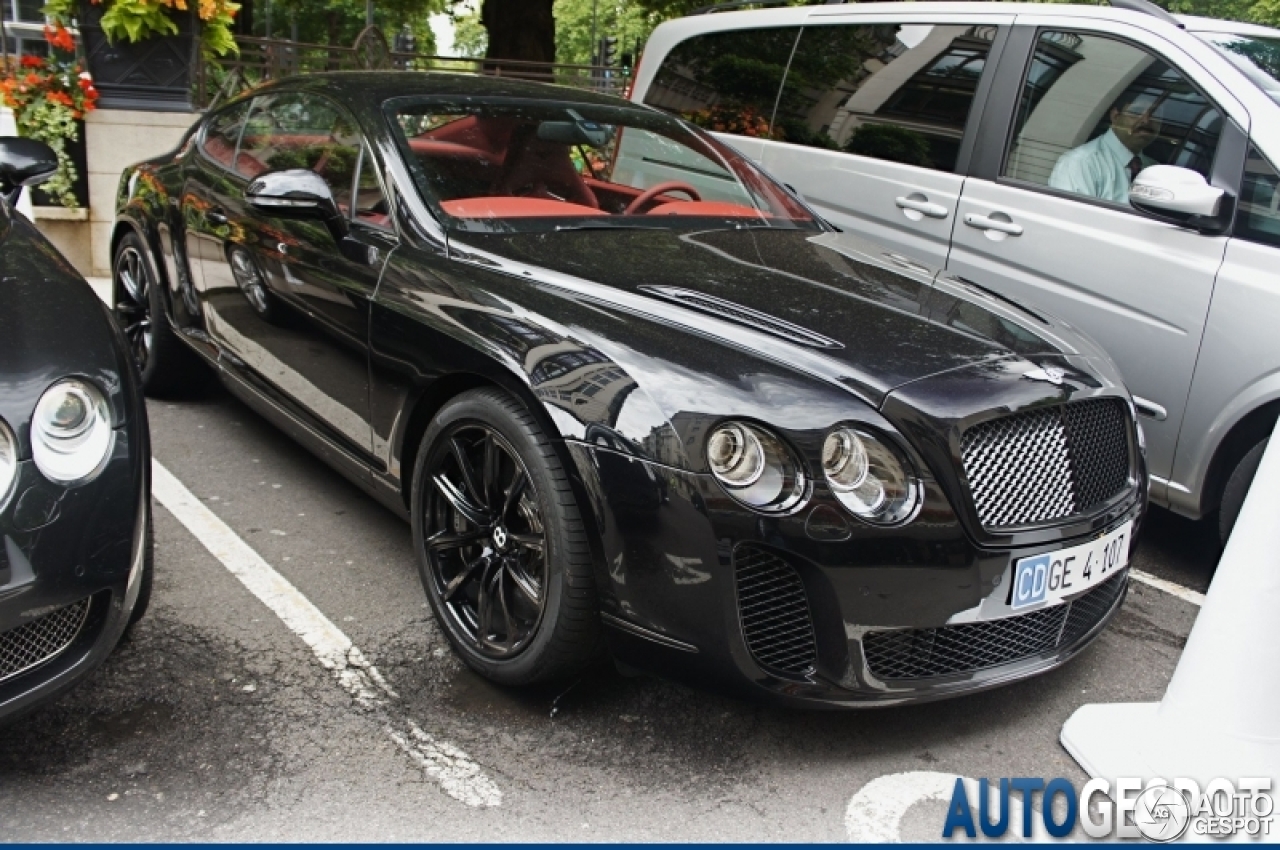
point(774, 612)
point(40, 640)
point(965, 648)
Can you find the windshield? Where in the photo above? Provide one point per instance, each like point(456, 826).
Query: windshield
point(522, 165)
point(1258, 58)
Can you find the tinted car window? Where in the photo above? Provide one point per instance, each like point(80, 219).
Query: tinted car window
point(1095, 111)
point(532, 164)
point(222, 133)
point(1259, 216)
point(292, 130)
point(725, 81)
point(900, 93)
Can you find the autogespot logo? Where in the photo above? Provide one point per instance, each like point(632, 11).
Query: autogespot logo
point(1157, 810)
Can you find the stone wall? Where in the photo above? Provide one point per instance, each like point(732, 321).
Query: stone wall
point(116, 138)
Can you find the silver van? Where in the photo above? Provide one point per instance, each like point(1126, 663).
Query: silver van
point(1110, 166)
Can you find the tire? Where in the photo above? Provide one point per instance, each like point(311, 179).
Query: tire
point(1237, 488)
point(481, 542)
point(166, 365)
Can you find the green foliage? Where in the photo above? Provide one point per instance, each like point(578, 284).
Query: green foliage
point(890, 142)
point(339, 22)
point(469, 35)
point(54, 125)
point(626, 20)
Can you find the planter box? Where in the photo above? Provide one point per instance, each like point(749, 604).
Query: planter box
point(78, 150)
point(153, 75)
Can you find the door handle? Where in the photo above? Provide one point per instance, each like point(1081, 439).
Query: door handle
point(921, 205)
point(1150, 409)
point(216, 217)
point(983, 222)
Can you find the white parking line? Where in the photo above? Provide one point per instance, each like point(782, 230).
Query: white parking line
point(1186, 594)
point(459, 776)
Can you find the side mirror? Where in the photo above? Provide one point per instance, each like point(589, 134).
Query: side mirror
point(1180, 196)
point(24, 162)
point(298, 194)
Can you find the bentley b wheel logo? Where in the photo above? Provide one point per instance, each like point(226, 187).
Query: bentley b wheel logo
point(500, 537)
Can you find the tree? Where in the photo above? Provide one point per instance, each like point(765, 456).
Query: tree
point(520, 29)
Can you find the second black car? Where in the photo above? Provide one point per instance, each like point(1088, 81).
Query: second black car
point(628, 390)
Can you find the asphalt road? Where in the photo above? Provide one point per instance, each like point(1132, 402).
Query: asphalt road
point(215, 721)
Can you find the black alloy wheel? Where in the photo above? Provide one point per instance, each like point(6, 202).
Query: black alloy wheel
point(485, 540)
point(166, 365)
point(133, 303)
point(501, 546)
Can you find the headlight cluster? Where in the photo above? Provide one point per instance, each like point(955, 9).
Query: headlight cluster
point(8, 460)
point(866, 473)
point(71, 433)
point(869, 476)
point(755, 467)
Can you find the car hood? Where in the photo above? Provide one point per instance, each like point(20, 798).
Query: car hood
point(826, 302)
point(53, 325)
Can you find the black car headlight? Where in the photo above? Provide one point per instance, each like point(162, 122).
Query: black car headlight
point(755, 467)
point(869, 476)
point(8, 460)
point(71, 433)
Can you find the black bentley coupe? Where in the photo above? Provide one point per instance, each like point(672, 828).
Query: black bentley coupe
point(632, 394)
point(75, 475)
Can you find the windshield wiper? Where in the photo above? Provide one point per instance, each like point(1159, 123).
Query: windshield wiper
point(600, 225)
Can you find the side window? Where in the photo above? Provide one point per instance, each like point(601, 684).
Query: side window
point(726, 81)
point(1258, 219)
point(898, 93)
point(222, 133)
point(1095, 111)
point(371, 204)
point(293, 130)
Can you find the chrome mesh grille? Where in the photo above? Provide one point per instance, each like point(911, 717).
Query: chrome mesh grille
point(38, 641)
point(968, 647)
point(1047, 464)
point(774, 611)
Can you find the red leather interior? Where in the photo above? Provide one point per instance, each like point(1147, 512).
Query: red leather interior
point(510, 207)
point(719, 209)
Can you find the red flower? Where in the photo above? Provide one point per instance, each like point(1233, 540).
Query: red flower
point(59, 37)
point(32, 62)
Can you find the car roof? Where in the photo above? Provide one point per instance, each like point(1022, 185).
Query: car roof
point(1198, 24)
point(377, 87)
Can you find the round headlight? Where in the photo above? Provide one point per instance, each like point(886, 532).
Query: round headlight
point(755, 467)
point(869, 476)
point(8, 460)
point(71, 432)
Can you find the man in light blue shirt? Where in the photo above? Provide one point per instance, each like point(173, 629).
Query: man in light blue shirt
point(1104, 167)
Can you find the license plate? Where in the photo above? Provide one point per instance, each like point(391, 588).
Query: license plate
point(1049, 577)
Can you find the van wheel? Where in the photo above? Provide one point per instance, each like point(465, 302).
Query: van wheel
point(501, 545)
point(1237, 488)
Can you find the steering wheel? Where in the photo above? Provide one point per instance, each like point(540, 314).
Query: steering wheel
point(661, 189)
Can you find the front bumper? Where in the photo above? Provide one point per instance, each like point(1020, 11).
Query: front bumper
point(681, 571)
point(71, 563)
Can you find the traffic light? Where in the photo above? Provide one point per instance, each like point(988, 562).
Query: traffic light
point(609, 51)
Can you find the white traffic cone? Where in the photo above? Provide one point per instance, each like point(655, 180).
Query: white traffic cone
point(1220, 716)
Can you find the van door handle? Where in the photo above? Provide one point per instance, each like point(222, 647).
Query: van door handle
point(918, 203)
point(1150, 409)
point(216, 217)
point(983, 222)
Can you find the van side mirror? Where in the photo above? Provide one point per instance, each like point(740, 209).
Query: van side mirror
point(297, 194)
point(24, 162)
point(1181, 196)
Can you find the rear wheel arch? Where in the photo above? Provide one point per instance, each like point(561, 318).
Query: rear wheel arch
point(123, 228)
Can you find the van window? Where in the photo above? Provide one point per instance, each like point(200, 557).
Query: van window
point(900, 93)
point(1259, 216)
point(725, 81)
point(1095, 111)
